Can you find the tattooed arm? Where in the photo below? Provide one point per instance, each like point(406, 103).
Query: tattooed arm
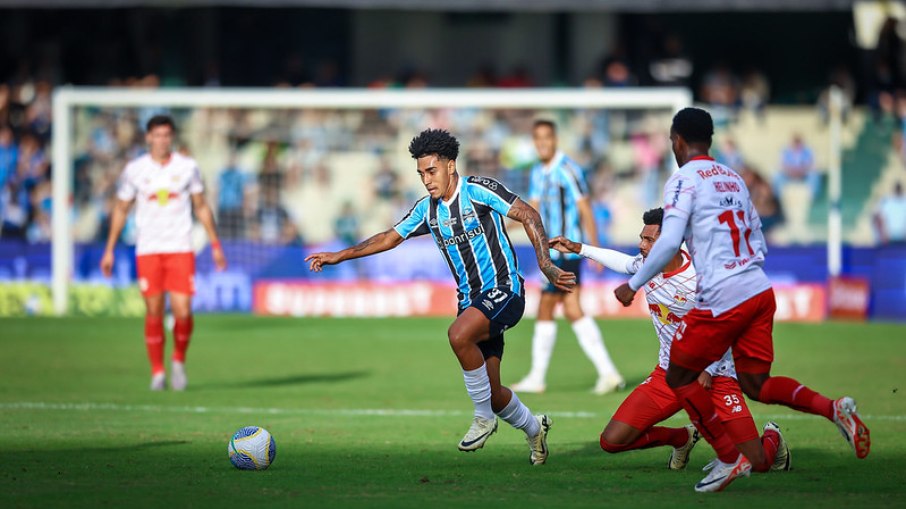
point(379, 243)
point(531, 221)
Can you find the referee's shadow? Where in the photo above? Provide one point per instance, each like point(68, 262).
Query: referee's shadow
point(312, 378)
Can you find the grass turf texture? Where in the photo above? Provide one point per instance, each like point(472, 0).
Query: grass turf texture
point(81, 429)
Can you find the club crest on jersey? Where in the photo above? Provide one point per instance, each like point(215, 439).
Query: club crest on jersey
point(469, 217)
point(651, 285)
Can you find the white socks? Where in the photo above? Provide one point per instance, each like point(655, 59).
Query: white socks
point(542, 348)
point(519, 416)
point(590, 340)
point(479, 388)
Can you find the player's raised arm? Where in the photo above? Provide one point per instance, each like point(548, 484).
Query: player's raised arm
point(206, 218)
point(531, 221)
point(613, 260)
point(379, 243)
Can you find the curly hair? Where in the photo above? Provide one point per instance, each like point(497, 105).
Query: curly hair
point(434, 141)
point(654, 217)
point(694, 125)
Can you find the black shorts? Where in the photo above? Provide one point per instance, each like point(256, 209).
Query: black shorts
point(503, 309)
point(569, 265)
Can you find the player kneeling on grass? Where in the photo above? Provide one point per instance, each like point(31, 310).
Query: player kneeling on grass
point(465, 217)
point(670, 295)
point(708, 205)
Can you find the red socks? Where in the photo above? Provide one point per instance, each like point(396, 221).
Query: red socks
point(789, 392)
point(154, 342)
point(182, 332)
point(697, 403)
point(655, 436)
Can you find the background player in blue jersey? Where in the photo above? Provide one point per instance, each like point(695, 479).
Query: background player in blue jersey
point(559, 191)
point(465, 217)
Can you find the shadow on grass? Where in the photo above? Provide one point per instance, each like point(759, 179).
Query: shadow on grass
point(313, 378)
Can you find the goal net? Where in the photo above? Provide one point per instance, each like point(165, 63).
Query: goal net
point(290, 171)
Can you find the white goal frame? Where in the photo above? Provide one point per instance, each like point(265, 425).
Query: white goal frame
point(66, 98)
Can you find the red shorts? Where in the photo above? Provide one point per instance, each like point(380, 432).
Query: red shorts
point(166, 272)
point(653, 401)
point(703, 338)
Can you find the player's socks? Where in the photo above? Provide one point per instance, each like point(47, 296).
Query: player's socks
point(697, 403)
point(182, 333)
point(769, 442)
point(786, 391)
point(655, 436)
point(543, 340)
point(589, 336)
point(479, 388)
point(154, 342)
point(517, 415)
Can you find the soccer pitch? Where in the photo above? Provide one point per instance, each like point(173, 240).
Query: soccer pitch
point(368, 413)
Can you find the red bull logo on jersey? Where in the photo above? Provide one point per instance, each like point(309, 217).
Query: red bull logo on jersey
point(663, 314)
point(680, 298)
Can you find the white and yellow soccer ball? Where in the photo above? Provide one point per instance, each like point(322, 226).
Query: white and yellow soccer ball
point(252, 448)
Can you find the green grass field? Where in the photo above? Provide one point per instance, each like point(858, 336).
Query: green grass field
point(367, 413)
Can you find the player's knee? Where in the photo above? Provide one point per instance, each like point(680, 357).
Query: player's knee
point(609, 446)
point(458, 339)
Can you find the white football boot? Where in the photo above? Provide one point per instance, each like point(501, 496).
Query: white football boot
point(608, 383)
point(851, 426)
point(722, 474)
point(784, 459)
point(479, 432)
point(159, 382)
point(530, 385)
point(538, 443)
point(680, 455)
point(178, 378)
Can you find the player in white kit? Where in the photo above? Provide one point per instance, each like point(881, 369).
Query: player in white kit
point(165, 187)
point(708, 205)
point(670, 295)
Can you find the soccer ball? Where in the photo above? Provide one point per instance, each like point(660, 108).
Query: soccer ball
point(252, 448)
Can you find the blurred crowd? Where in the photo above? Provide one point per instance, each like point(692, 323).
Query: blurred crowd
point(263, 168)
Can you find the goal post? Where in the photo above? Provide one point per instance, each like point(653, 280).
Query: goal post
point(66, 99)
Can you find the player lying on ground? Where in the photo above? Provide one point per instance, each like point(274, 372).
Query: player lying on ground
point(465, 217)
point(670, 295)
point(708, 205)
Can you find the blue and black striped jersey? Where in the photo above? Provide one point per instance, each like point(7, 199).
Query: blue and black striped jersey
point(557, 189)
point(470, 232)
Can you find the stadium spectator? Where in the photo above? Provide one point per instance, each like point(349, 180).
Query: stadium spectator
point(166, 187)
point(231, 194)
point(673, 67)
point(730, 155)
point(755, 91)
point(9, 154)
point(273, 224)
point(559, 192)
point(346, 226)
point(766, 203)
point(890, 217)
point(797, 164)
point(386, 181)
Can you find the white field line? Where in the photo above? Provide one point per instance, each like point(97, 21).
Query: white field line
point(342, 412)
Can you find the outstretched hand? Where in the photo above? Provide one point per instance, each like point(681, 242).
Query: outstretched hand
point(562, 280)
point(624, 294)
point(564, 245)
point(318, 260)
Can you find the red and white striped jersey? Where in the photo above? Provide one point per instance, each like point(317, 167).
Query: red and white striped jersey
point(163, 202)
point(670, 296)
